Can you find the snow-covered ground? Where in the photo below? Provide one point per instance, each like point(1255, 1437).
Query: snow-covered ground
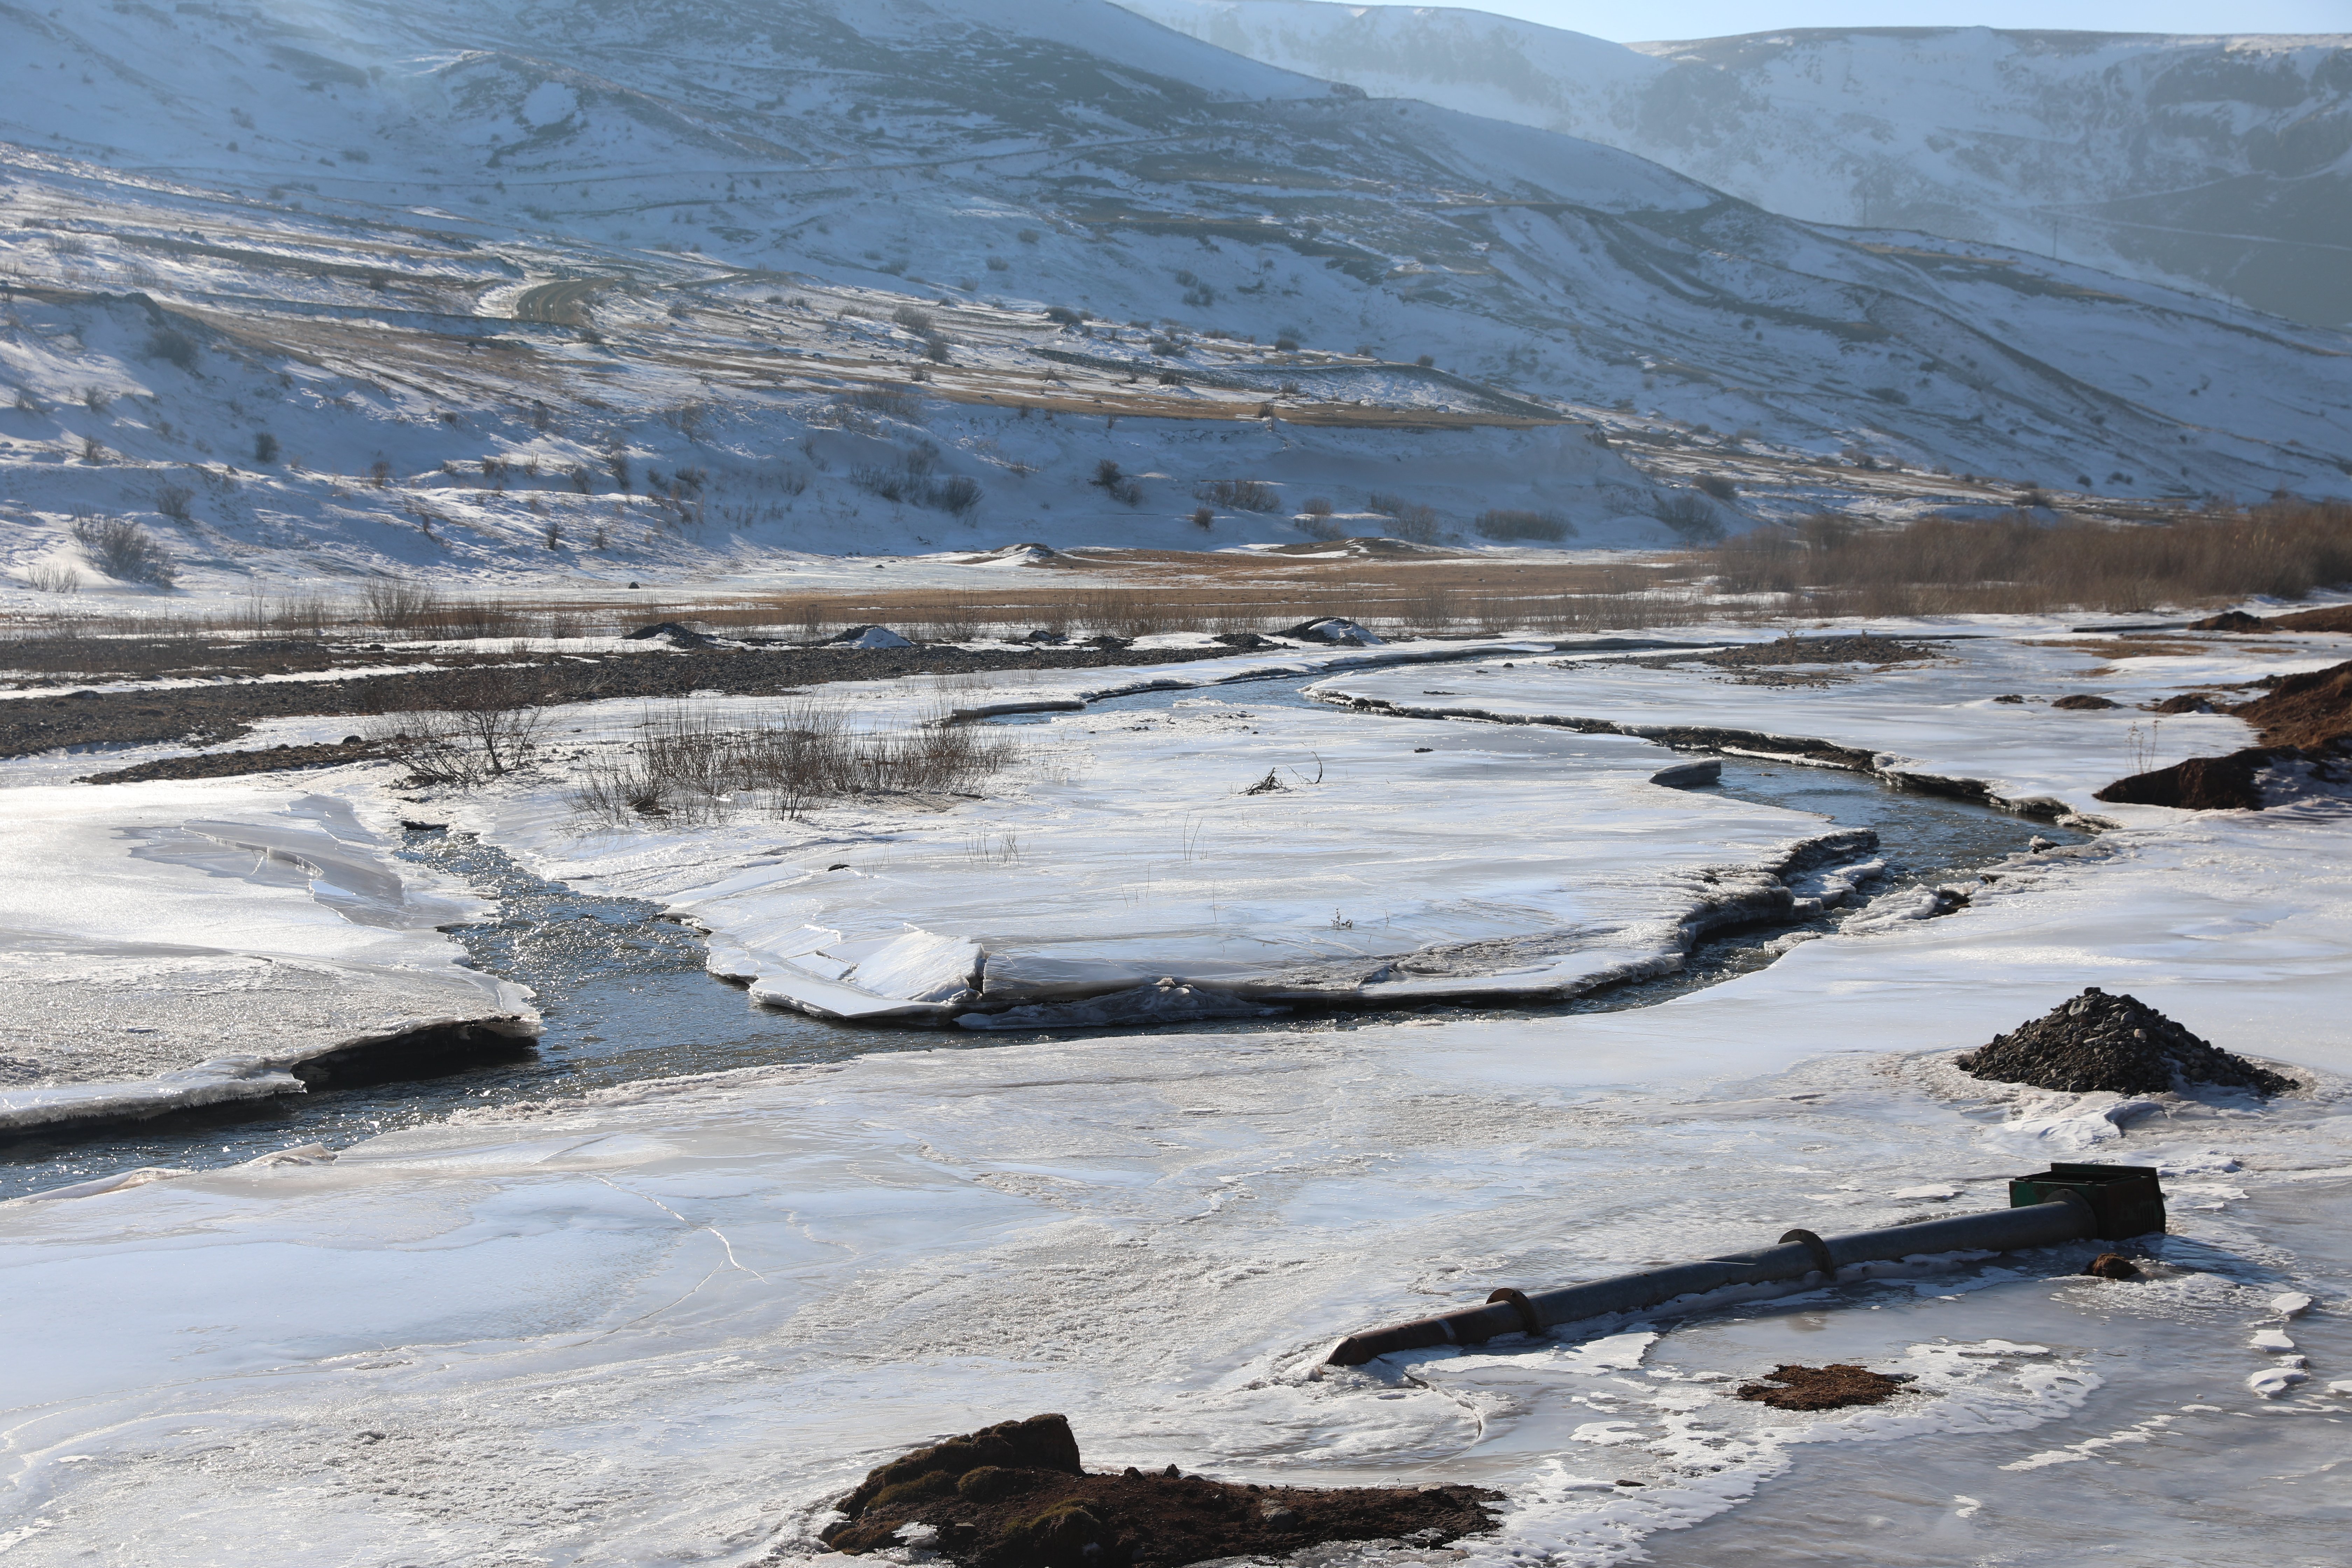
point(669, 1322)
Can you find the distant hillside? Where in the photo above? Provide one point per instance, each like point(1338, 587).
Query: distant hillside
point(581, 288)
point(2223, 162)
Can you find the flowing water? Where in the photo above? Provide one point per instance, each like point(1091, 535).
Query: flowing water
point(625, 995)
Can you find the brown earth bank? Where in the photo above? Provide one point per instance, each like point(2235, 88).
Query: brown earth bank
point(1015, 1496)
point(2309, 710)
point(210, 715)
point(2300, 719)
point(2335, 618)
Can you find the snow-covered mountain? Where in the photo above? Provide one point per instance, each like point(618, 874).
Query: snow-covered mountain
point(608, 291)
point(2221, 163)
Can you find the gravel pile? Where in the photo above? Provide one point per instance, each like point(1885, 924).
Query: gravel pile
point(2116, 1043)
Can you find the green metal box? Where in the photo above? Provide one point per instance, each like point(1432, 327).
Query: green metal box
point(2126, 1198)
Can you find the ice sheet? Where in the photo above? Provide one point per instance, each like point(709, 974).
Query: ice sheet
point(670, 1323)
point(168, 946)
point(1268, 851)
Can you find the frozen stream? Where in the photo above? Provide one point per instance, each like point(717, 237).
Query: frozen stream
point(624, 994)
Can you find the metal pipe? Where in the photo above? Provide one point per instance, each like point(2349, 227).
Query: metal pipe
point(2068, 1217)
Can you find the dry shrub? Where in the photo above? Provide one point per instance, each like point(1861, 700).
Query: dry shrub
point(2021, 564)
point(1239, 495)
point(688, 768)
point(123, 550)
point(490, 726)
point(1504, 523)
point(397, 605)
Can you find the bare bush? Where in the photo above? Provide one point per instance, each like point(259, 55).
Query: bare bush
point(265, 446)
point(1321, 527)
point(892, 402)
point(1718, 485)
point(172, 501)
point(1203, 518)
point(1240, 495)
point(915, 318)
point(1691, 517)
point(1122, 486)
point(1504, 523)
point(93, 450)
point(912, 479)
point(1407, 519)
point(124, 550)
point(397, 605)
point(496, 732)
point(54, 580)
point(173, 346)
point(1317, 506)
point(690, 768)
point(2023, 564)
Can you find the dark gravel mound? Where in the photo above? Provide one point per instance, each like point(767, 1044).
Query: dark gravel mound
point(2085, 699)
point(1831, 1387)
point(2115, 1043)
point(1014, 1495)
point(1820, 650)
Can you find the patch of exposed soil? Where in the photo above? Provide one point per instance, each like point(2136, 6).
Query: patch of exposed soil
point(1862, 650)
point(1015, 1496)
point(2083, 701)
point(2187, 702)
point(2231, 621)
point(2335, 618)
point(2302, 709)
point(1831, 1387)
point(233, 764)
point(209, 715)
point(2112, 1266)
point(2116, 1043)
point(2200, 783)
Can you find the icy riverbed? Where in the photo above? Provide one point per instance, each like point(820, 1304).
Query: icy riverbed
point(669, 1320)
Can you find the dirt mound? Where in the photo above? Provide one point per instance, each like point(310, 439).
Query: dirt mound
point(2116, 1043)
point(2231, 621)
point(2304, 710)
point(2187, 702)
point(2085, 699)
point(2200, 783)
point(1014, 1496)
point(2112, 1266)
point(1831, 1387)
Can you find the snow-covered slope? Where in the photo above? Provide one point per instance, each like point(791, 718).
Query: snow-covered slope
point(2219, 162)
point(576, 291)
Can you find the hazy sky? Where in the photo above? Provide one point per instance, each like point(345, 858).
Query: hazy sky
point(1716, 18)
